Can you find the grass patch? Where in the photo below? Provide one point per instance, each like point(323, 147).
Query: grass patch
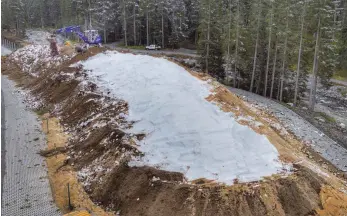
point(343, 91)
point(341, 75)
point(325, 116)
point(41, 111)
point(337, 77)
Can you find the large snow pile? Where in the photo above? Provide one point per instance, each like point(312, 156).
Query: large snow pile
point(33, 57)
point(185, 132)
point(5, 51)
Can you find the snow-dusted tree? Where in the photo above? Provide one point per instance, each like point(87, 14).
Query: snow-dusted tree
point(104, 15)
point(176, 15)
point(236, 56)
point(273, 70)
point(18, 14)
point(325, 55)
point(299, 53)
point(210, 41)
point(269, 48)
point(259, 4)
point(146, 7)
point(284, 58)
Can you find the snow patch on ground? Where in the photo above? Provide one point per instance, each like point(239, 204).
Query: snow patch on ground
point(33, 56)
point(5, 51)
point(185, 132)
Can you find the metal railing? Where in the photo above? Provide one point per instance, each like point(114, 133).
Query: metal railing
point(13, 46)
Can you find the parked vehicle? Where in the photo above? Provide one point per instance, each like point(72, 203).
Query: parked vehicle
point(153, 47)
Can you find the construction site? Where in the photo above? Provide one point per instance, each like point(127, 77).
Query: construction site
point(97, 130)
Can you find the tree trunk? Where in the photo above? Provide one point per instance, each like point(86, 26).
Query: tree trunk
point(278, 88)
point(258, 83)
point(255, 50)
point(237, 42)
point(42, 23)
point(208, 36)
point(273, 72)
point(229, 38)
point(315, 70)
point(134, 14)
point(162, 27)
point(284, 58)
point(268, 52)
point(105, 37)
point(299, 56)
point(90, 15)
point(334, 29)
point(125, 25)
point(147, 27)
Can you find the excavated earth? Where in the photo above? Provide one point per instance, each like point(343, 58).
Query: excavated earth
point(99, 149)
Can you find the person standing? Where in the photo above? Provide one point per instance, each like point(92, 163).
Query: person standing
point(53, 45)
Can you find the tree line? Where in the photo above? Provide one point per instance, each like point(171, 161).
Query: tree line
point(270, 47)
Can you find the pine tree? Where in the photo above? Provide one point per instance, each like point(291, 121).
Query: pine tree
point(210, 43)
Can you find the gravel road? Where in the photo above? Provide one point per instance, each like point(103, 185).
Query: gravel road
point(184, 52)
point(25, 184)
point(321, 143)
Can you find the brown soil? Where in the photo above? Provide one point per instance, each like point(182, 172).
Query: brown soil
point(91, 52)
point(334, 202)
point(98, 150)
point(60, 174)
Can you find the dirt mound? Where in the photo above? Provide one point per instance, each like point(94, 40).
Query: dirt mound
point(99, 149)
point(90, 52)
point(147, 191)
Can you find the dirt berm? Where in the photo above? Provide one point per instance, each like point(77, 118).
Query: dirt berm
point(99, 149)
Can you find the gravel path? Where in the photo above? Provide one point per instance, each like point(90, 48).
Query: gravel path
point(328, 148)
point(184, 52)
point(25, 184)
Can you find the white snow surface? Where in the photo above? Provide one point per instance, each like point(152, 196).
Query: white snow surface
point(33, 56)
point(185, 132)
point(5, 51)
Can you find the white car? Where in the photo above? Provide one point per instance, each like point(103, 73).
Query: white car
point(153, 47)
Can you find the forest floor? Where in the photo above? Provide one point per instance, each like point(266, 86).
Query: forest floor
point(127, 123)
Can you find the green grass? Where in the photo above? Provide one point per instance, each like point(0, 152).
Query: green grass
point(343, 91)
point(337, 77)
point(341, 75)
point(41, 111)
point(325, 116)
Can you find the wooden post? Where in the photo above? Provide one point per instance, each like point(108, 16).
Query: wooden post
point(47, 126)
point(68, 194)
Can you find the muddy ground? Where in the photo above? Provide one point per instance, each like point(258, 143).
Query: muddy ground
point(98, 151)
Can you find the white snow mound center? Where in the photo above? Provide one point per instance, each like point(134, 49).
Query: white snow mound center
point(185, 132)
